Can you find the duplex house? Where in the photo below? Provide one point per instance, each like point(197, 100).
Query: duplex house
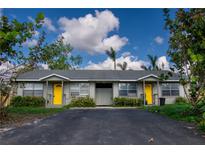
point(58, 87)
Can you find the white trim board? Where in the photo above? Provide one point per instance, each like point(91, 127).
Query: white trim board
point(97, 80)
point(147, 76)
point(60, 76)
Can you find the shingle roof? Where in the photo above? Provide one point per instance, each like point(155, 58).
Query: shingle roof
point(92, 75)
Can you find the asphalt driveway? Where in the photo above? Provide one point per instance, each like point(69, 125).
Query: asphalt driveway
point(104, 126)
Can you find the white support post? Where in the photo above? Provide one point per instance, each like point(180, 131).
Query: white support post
point(46, 93)
point(158, 93)
point(62, 91)
point(144, 92)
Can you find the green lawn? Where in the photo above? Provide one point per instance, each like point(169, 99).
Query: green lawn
point(17, 116)
point(175, 111)
point(34, 110)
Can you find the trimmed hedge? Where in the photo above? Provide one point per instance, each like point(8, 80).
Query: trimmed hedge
point(82, 102)
point(179, 100)
point(30, 101)
point(126, 101)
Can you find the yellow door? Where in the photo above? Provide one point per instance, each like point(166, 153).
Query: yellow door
point(57, 94)
point(148, 93)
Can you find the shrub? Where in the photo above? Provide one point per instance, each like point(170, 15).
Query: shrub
point(140, 101)
point(82, 102)
point(179, 100)
point(199, 108)
point(30, 101)
point(201, 103)
point(202, 109)
point(67, 106)
point(203, 115)
point(126, 101)
point(201, 125)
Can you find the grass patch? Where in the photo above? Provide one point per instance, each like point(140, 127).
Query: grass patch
point(17, 116)
point(123, 106)
point(175, 111)
point(34, 110)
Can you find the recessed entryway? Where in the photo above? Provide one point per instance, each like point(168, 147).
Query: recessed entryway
point(104, 93)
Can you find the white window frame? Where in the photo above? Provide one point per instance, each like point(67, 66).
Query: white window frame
point(170, 89)
point(78, 89)
point(127, 89)
point(33, 88)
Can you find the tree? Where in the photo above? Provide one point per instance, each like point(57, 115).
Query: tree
point(153, 63)
point(187, 50)
point(75, 61)
point(56, 55)
point(122, 66)
point(112, 55)
point(12, 35)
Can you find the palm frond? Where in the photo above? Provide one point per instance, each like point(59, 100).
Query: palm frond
point(153, 62)
point(144, 67)
point(112, 55)
point(122, 66)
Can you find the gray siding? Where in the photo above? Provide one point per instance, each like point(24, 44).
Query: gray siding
point(139, 90)
point(92, 90)
point(49, 91)
point(44, 90)
point(171, 99)
point(66, 93)
point(115, 89)
point(19, 89)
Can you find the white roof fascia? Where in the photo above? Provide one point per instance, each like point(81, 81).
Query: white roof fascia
point(60, 76)
point(127, 80)
point(170, 81)
point(150, 75)
point(26, 80)
point(79, 80)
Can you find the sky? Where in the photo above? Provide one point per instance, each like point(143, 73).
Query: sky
point(133, 33)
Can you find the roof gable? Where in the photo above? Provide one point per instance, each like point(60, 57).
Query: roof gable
point(54, 75)
point(148, 76)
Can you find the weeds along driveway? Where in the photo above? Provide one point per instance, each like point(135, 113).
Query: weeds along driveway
point(104, 126)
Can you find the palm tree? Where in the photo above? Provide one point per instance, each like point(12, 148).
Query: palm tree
point(122, 66)
point(153, 63)
point(145, 67)
point(112, 55)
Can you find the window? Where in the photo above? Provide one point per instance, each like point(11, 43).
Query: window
point(128, 89)
point(33, 89)
point(79, 89)
point(84, 89)
point(170, 89)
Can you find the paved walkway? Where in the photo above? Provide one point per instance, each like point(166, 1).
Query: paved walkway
point(104, 126)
